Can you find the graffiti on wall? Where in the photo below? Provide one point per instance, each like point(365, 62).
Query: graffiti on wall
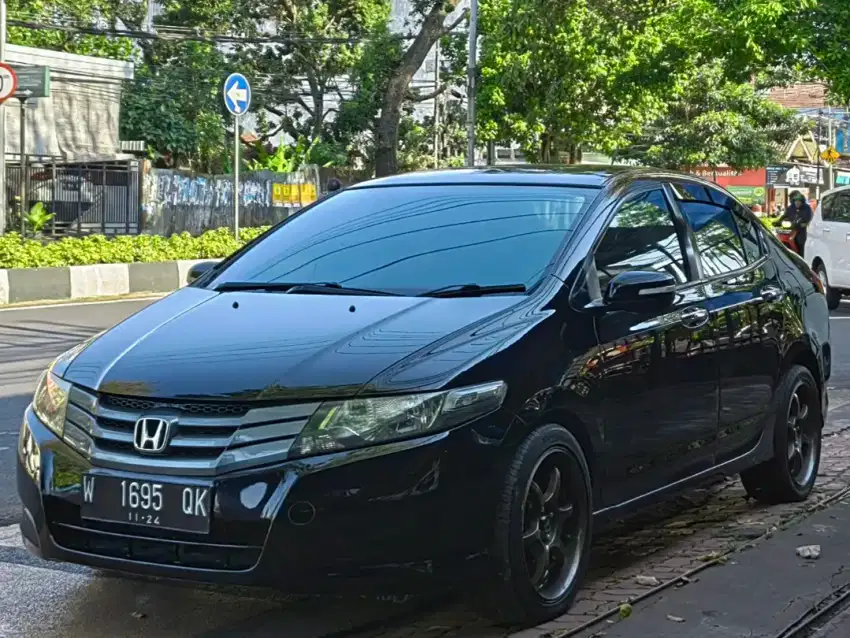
point(176, 201)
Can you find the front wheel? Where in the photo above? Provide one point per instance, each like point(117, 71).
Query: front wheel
point(542, 539)
point(833, 297)
point(790, 475)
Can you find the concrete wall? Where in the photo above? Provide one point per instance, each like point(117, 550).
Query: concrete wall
point(176, 201)
point(19, 285)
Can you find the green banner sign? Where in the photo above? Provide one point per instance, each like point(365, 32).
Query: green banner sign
point(33, 81)
point(749, 195)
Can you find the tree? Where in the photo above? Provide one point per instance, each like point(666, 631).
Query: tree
point(74, 12)
point(823, 51)
point(558, 76)
point(327, 41)
point(425, 28)
point(561, 75)
point(175, 105)
point(711, 121)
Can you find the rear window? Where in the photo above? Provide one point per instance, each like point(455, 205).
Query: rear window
point(409, 239)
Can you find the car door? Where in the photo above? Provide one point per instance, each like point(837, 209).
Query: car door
point(834, 230)
point(657, 374)
point(742, 289)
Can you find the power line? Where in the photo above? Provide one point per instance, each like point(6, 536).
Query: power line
point(189, 36)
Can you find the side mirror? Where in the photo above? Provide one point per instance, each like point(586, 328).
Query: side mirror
point(199, 269)
point(640, 290)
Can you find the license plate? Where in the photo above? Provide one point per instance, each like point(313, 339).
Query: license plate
point(134, 501)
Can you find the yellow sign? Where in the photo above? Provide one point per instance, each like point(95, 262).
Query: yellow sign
point(293, 194)
point(830, 155)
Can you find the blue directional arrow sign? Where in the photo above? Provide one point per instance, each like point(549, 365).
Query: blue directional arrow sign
point(237, 94)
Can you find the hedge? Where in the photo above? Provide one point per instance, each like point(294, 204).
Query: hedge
point(125, 249)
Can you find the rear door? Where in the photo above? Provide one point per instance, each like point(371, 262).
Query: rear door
point(742, 289)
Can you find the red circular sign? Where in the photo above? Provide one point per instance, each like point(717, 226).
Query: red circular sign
point(8, 82)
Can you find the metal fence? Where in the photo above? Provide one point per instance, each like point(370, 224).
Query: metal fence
point(83, 199)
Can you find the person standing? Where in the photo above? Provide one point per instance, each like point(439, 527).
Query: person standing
point(800, 214)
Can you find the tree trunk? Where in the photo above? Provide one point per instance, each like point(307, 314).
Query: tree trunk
point(386, 131)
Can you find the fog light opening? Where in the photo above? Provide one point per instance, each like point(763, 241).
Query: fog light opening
point(30, 455)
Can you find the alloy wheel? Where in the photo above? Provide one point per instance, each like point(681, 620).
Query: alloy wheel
point(554, 517)
point(802, 435)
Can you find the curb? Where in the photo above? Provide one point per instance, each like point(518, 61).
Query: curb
point(18, 285)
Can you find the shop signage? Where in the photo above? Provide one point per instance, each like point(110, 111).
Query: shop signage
point(749, 195)
point(794, 176)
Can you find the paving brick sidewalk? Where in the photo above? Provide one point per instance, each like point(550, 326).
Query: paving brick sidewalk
point(663, 542)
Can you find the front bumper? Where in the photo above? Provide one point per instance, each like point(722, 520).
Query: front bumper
point(401, 518)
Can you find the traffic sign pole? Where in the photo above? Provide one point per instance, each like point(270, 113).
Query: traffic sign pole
point(237, 99)
point(236, 176)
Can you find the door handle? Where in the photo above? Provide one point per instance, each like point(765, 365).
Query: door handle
point(694, 317)
point(827, 230)
point(772, 294)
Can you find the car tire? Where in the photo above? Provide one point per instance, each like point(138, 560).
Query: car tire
point(790, 475)
point(833, 297)
point(546, 510)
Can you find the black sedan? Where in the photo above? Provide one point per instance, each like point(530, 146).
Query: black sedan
point(433, 377)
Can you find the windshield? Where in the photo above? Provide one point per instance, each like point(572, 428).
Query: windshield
point(410, 239)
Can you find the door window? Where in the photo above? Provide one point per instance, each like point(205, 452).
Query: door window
point(642, 236)
point(836, 208)
point(719, 243)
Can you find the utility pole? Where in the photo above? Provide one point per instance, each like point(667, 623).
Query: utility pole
point(437, 105)
point(470, 81)
point(3, 198)
point(820, 163)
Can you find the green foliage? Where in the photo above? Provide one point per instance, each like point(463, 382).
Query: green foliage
point(38, 217)
point(175, 105)
point(557, 76)
point(16, 252)
point(710, 121)
point(82, 12)
point(826, 28)
point(288, 159)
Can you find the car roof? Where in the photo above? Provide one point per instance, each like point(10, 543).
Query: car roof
point(588, 176)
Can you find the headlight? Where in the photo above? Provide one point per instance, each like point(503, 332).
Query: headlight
point(346, 425)
point(51, 401)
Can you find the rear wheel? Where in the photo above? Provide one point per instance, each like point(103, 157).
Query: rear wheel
point(542, 538)
point(833, 297)
point(790, 475)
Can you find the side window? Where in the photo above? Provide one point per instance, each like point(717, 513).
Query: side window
point(642, 236)
point(748, 229)
point(840, 207)
point(716, 232)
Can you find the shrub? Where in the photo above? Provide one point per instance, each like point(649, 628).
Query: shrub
point(97, 249)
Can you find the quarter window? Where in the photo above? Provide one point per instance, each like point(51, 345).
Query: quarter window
point(642, 236)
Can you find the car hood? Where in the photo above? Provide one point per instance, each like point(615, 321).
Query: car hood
point(255, 345)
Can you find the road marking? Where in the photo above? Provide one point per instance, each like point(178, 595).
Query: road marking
point(81, 303)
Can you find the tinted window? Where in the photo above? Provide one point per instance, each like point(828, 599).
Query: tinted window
point(836, 208)
point(409, 239)
point(642, 236)
point(748, 230)
point(716, 233)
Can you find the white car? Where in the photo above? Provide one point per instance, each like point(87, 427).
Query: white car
point(828, 243)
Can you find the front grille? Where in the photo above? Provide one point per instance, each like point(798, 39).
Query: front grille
point(134, 404)
point(207, 438)
point(156, 550)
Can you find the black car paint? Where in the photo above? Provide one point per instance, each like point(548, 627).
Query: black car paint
point(413, 510)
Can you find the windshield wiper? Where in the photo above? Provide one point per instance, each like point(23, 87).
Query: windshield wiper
point(317, 287)
point(473, 290)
